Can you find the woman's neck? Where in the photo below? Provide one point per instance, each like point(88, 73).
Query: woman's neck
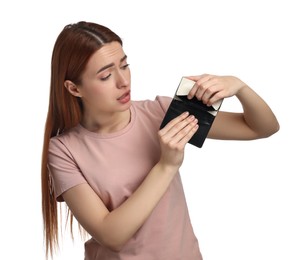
point(108, 123)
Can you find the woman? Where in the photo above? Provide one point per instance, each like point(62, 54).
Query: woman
point(105, 156)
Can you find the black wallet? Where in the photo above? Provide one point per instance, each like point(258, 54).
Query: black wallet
point(205, 114)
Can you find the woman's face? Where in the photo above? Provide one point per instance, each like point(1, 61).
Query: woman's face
point(105, 87)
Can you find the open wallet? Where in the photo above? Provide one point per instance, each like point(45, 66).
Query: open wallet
point(205, 114)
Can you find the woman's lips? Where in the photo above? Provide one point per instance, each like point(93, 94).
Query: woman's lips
point(124, 98)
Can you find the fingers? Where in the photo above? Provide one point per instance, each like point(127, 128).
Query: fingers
point(202, 83)
point(183, 137)
point(207, 89)
point(179, 130)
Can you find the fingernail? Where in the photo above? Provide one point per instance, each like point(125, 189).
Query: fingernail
point(186, 113)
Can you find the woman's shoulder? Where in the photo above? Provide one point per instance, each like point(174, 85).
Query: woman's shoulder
point(65, 137)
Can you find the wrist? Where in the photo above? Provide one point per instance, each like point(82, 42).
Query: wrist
point(242, 90)
point(167, 169)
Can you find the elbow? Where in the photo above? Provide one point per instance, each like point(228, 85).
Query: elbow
point(113, 244)
point(275, 129)
point(114, 247)
point(272, 129)
point(112, 236)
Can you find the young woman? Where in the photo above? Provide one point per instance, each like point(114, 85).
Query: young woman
point(105, 156)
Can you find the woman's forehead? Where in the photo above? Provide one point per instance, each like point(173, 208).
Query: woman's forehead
point(110, 53)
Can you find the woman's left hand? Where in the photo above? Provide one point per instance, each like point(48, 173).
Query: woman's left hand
point(211, 88)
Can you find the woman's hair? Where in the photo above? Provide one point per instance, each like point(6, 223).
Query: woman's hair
point(72, 50)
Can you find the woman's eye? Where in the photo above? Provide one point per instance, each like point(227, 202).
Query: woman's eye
point(125, 66)
point(105, 78)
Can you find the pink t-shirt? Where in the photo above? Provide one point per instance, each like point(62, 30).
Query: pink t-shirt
point(114, 165)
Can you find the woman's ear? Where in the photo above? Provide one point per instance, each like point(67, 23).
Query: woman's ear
point(72, 88)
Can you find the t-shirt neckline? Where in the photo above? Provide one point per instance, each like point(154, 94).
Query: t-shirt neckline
point(124, 130)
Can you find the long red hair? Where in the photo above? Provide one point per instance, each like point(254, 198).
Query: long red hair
point(74, 46)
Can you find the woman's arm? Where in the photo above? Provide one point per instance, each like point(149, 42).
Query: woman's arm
point(113, 229)
point(257, 119)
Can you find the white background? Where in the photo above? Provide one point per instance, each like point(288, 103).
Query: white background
point(241, 195)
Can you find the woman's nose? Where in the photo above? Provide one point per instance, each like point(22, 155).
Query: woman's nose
point(122, 79)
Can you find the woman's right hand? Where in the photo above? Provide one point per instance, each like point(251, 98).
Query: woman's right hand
point(173, 138)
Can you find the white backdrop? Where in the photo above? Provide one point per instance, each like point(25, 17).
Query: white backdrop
point(241, 195)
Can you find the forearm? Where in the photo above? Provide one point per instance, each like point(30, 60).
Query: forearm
point(122, 223)
point(257, 114)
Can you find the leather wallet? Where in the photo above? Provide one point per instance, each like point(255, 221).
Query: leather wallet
point(205, 114)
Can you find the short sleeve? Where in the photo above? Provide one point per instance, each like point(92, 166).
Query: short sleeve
point(63, 170)
point(164, 102)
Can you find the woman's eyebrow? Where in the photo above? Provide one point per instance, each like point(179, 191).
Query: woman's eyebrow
point(111, 64)
point(123, 58)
